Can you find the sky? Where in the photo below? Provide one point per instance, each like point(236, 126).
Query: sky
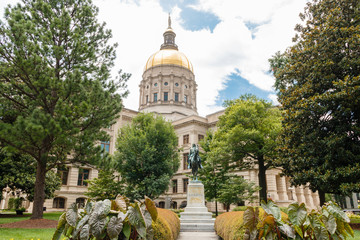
point(228, 42)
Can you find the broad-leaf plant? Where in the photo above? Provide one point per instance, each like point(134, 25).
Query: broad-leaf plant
point(330, 222)
point(109, 220)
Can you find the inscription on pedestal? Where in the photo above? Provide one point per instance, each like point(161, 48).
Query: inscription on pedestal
point(195, 196)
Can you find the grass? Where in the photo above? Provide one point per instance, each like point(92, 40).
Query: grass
point(27, 234)
point(355, 220)
point(51, 216)
point(356, 235)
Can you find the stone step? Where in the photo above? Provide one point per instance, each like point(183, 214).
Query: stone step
point(198, 220)
point(190, 215)
point(197, 227)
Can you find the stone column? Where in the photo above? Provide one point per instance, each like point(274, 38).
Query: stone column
point(300, 194)
point(355, 200)
point(282, 189)
point(171, 92)
point(315, 197)
point(160, 86)
point(271, 186)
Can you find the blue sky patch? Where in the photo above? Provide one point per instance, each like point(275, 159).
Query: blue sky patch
point(237, 86)
point(193, 20)
point(253, 27)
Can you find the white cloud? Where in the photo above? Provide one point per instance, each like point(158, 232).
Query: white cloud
point(274, 99)
point(138, 27)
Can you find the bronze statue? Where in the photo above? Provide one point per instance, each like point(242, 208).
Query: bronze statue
point(194, 160)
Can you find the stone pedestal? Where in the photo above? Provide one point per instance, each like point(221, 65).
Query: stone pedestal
point(196, 217)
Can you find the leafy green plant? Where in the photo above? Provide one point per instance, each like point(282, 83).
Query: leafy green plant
point(108, 220)
point(328, 223)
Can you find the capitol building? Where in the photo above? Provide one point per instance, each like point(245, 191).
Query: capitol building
point(168, 87)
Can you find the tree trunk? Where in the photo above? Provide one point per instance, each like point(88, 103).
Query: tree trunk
point(321, 197)
point(39, 194)
point(216, 209)
point(262, 179)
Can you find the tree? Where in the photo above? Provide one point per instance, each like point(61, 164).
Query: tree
point(318, 80)
point(106, 186)
point(215, 168)
point(247, 133)
point(18, 173)
point(236, 190)
point(147, 155)
point(56, 91)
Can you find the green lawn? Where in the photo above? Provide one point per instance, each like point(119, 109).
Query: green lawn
point(357, 235)
point(27, 234)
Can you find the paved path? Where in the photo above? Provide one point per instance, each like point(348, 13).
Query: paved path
point(198, 236)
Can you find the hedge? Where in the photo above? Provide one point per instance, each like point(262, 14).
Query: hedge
point(229, 226)
point(167, 225)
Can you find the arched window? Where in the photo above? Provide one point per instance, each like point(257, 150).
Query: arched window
point(59, 202)
point(174, 205)
point(183, 204)
point(161, 204)
point(80, 202)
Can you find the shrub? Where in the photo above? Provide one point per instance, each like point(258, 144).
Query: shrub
point(239, 208)
point(230, 225)
point(15, 203)
point(167, 225)
point(11, 203)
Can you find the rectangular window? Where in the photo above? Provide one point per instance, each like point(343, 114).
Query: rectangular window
point(63, 172)
point(176, 97)
point(185, 98)
point(83, 175)
point(174, 184)
point(185, 160)
point(166, 96)
point(185, 184)
point(186, 139)
point(155, 97)
point(200, 137)
point(105, 145)
point(147, 98)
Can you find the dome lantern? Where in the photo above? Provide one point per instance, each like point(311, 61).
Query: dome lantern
point(169, 38)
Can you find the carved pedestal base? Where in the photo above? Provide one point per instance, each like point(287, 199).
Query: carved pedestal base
point(196, 217)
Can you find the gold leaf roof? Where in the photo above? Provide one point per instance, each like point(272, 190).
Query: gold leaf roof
point(168, 57)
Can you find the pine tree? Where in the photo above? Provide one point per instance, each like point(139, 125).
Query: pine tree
point(56, 91)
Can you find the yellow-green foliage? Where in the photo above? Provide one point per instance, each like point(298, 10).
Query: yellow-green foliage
point(167, 225)
point(229, 225)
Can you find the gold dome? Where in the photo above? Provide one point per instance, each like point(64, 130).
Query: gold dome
point(168, 56)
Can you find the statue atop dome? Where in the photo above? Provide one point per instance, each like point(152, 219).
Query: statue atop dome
point(169, 21)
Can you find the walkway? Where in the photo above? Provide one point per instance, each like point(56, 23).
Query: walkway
point(198, 236)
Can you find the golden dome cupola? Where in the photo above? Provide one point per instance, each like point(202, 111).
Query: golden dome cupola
point(168, 86)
